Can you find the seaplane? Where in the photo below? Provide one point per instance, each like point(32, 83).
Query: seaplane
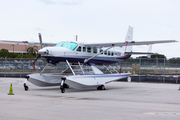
point(78, 55)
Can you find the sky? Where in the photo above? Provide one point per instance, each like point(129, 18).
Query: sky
point(93, 21)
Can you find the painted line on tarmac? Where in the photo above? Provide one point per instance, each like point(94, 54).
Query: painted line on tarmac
point(163, 113)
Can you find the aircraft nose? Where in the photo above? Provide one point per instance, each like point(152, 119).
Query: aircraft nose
point(43, 51)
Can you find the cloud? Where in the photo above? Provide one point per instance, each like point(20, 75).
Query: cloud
point(49, 1)
point(64, 2)
point(72, 2)
point(38, 29)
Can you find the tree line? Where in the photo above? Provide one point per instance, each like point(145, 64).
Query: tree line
point(32, 53)
point(154, 58)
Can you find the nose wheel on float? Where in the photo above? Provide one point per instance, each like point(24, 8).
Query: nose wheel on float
point(26, 88)
point(62, 90)
point(63, 85)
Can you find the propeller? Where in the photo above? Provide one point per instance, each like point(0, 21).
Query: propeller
point(40, 39)
point(38, 55)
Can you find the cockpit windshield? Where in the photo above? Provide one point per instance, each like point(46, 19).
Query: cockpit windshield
point(59, 44)
point(69, 45)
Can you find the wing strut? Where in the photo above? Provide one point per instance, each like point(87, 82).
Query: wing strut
point(44, 68)
point(70, 67)
point(81, 68)
point(123, 57)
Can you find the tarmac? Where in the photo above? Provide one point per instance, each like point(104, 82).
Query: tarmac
point(120, 101)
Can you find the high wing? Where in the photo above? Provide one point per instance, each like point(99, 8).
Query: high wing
point(30, 43)
point(127, 43)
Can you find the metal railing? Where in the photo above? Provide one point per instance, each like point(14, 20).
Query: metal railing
point(152, 66)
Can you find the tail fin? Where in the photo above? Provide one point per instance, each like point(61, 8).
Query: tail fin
point(149, 50)
point(129, 37)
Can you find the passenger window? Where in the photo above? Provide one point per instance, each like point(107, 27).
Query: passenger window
point(89, 49)
point(95, 50)
point(79, 49)
point(112, 53)
point(101, 51)
point(84, 49)
point(105, 52)
point(109, 53)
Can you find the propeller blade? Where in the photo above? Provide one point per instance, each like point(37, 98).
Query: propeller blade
point(38, 56)
point(40, 39)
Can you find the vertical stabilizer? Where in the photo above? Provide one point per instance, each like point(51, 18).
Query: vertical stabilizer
point(129, 37)
point(149, 51)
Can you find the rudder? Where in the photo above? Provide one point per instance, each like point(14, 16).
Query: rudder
point(129, 38)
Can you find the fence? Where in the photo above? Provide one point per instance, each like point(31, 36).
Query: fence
point(13, 67)
point(153, 70)
point(152, 66)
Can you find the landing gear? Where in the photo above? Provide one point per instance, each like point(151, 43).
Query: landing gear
point(26, 87)
point(102, 87)
point(62, 90)
point(63, 85)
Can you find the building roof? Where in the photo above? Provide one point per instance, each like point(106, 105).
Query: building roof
point(20, 46)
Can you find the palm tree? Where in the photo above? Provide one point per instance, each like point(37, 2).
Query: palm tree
point(4, 53)
point(32, 50)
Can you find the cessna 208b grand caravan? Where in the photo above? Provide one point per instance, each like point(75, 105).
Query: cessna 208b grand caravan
point(86, 54)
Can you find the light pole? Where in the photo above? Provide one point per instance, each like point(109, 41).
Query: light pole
point(13, 49)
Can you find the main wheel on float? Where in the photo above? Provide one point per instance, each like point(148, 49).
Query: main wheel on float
point(102, 87)
point(62, 90)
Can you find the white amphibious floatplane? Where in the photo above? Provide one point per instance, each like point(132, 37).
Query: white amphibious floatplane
point(82, 54)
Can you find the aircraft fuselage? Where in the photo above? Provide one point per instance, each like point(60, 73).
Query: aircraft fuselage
point(79, 53)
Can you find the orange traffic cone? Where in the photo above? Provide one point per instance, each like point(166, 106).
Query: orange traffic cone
point(11, 90)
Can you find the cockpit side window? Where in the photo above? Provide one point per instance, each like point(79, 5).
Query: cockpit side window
point(79, 49)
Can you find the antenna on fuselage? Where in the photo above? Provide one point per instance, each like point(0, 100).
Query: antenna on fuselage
point(76, 37)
